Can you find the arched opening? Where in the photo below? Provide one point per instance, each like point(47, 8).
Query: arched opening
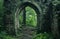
point(21, 11)
point(31, 17)
point(21, 19)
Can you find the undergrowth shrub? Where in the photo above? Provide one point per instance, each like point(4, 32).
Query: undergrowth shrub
point(3, 35)
point(43, 36)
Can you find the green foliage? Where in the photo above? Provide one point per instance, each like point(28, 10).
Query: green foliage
point(1, 14)
point(1, 8)
point(31, 17)
point(4, 35)
point(43, 36)
point(21, 18)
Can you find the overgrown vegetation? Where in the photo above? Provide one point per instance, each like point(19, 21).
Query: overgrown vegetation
point(4, 35)
point(1, 14)
point(43, 36)
point(31, 20)
point(31, 17)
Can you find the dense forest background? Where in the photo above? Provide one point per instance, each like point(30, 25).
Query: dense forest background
point(31, 20)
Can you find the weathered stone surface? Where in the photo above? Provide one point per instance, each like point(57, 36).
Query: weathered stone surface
point(45, 14)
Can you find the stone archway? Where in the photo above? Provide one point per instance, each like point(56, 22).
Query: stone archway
point(11, 21)
point(22, 8)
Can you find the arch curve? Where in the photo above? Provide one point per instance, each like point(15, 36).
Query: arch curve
point(23, 5)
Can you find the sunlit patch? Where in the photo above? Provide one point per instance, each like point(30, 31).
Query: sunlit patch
point(31, 16)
